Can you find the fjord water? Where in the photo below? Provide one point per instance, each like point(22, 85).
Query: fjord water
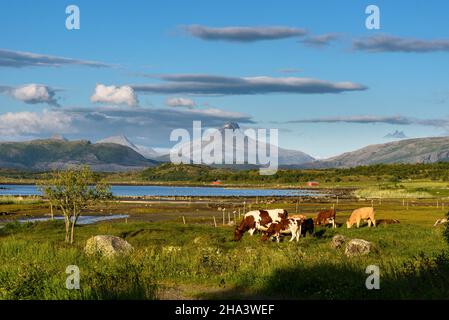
point(167, 191)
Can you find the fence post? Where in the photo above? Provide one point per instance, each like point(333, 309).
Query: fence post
point(215, 222)
point(183, 219)
point(223, 217)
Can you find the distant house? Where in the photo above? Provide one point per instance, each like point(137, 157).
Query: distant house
point(216, 182)
point(312, 183)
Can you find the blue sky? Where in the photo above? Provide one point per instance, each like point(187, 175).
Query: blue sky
point(403, 83)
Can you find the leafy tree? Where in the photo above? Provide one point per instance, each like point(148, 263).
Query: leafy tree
point(71, 191)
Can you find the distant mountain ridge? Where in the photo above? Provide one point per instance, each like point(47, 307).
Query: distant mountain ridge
point(51, 154)
point(122, 140)
point(418, 150)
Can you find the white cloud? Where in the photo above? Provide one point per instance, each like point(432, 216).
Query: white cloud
point(34, 93)
point(180, 102)
point(33, 123)
point(114, 95)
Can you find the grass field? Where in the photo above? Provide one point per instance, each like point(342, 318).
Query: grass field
point(196, 260)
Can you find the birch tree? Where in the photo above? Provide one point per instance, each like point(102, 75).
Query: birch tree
point(73, 190)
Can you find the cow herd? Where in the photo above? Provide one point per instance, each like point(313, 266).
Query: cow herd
point(276, 222)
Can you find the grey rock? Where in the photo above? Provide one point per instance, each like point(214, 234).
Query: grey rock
point(107, 246)
point(358, 247)
point(338, 241)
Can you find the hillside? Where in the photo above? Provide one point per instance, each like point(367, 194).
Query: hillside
point(42, 155)
point(147, 152)
point(420, 150)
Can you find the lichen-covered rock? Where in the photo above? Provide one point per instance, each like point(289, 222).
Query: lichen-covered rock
point(358, 247)
point(107, 246)
point(338, 241)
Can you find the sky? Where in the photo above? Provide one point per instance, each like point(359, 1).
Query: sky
point(311, 69)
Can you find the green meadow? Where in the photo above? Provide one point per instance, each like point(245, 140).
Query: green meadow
point(197, 260)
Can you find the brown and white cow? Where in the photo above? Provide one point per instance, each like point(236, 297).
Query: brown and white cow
point(285, 226)
point(258, 220)
point(326, 217)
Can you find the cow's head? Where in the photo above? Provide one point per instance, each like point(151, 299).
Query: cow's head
point(284, 214)
point(348, 224)
point(272, 229)
point(238, 234)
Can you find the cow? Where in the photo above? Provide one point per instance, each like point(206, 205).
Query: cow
point(258, 220)
point(440, 221)
point(326, 217)
point(307, 225)
point(285, 226)
point(366, 213)
point(298, 216)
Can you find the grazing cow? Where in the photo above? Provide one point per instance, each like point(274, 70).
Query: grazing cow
point(366, 213)
point(258, 220)
point(285, 226)
point(441, 221)
point(307, 225)
point(326, 217)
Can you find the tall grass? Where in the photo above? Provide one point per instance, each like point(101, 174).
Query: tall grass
point(376, 193)
point(19, 200)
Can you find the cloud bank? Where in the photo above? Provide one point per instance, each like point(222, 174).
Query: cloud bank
point(321, 40)
point(202, 84)
point(243, 34)
point(19, 59)
point(371, 119)
point(180, 102)
point(155, 125)
point(385, 43)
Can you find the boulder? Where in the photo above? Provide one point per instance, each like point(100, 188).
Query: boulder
point(358, 247)
point(338, 241)
point(107, 246)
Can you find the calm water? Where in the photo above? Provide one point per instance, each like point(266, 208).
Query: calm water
point(165, 191)
point(81, 220)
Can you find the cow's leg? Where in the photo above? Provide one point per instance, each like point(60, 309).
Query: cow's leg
point(374, 222)
point(369, 223)
point(358, 223)
point(251, 231)
point(334, 224)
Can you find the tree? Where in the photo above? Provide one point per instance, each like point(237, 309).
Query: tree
point(71, 191)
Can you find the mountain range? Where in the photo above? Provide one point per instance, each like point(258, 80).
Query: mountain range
point(419, 150)
point(118, 153)
point(57, 153)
